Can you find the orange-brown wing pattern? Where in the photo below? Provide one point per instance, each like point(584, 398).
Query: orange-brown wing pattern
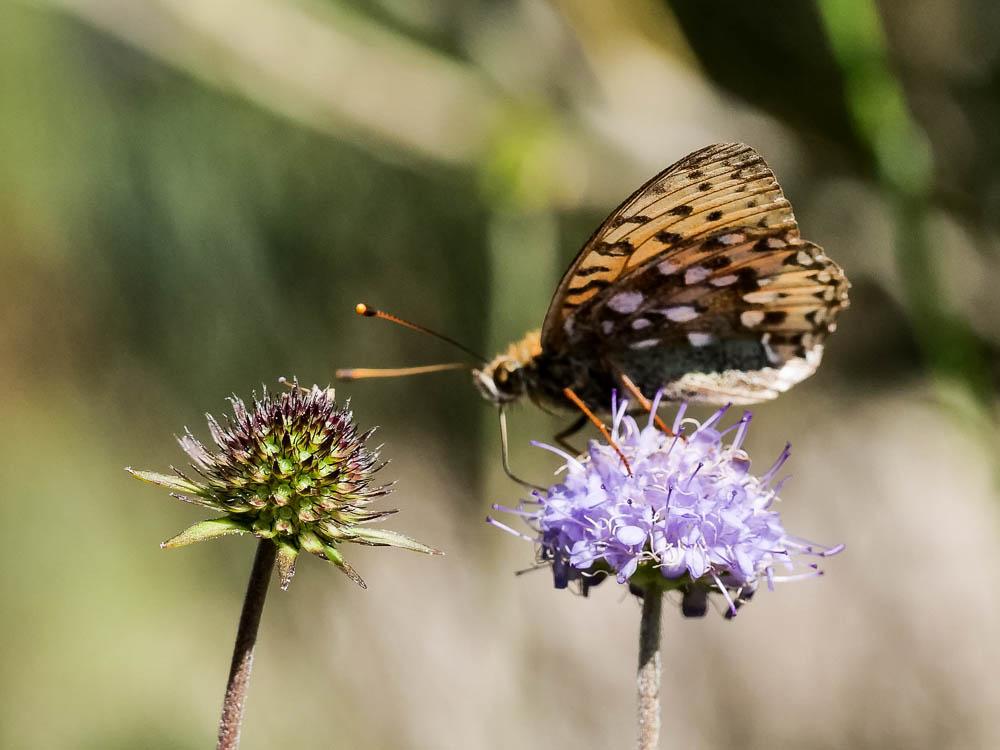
point(699, 284)
point(725, 185)
point(740, 316)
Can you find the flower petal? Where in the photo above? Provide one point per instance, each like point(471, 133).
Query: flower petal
point(631, 535)
point(707, 518)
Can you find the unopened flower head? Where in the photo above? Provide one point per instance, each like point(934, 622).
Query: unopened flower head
point(292, 468)
point(684, 513)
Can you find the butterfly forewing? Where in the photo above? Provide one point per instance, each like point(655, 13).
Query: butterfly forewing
point(700, 283)
point(718, 186)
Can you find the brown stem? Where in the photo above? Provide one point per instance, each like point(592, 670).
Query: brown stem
point(648, 677)
point(246, 637)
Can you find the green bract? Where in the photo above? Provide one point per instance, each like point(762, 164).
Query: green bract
point(291, 468)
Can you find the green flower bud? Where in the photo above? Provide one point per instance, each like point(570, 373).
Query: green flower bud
point(291, 468)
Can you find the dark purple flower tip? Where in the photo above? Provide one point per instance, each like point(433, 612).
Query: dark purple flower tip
point(690, 510)
point(292, 467)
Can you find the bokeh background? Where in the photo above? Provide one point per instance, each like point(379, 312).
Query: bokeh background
point(194, 194)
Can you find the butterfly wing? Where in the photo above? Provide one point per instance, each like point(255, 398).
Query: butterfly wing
point(700, 283)
point(739, 316)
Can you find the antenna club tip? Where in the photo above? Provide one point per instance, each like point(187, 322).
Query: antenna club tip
point(362, 309)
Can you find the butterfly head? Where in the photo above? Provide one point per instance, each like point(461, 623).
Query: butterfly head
point(505, 378)
point(501, 381)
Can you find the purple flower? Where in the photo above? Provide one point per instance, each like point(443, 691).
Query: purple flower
point(686, 514)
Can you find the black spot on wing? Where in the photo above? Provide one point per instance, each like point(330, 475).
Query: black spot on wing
point(747, 280)
point(622, 219)
point(716, 262)
point(591, 270)
point(620, 249)
point(592, 284)
point(668, 238)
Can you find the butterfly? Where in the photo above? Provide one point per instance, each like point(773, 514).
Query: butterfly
point(698, 285)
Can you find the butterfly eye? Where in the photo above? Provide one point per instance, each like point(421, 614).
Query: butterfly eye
point(507, 377)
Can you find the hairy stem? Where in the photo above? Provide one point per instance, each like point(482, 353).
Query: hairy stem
point(648, 677)
point(246, 638)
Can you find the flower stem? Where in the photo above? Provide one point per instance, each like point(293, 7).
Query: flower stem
point(246, 637)
point(648, 677)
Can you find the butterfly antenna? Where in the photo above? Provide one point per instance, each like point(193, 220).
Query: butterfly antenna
point(359, 373)
point(370, 312)
point(578, 402)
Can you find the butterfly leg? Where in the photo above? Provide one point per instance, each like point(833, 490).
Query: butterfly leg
point(633, 389)
point(562, 437)
point(294, 386)
point(505, 454)
point(570, 394)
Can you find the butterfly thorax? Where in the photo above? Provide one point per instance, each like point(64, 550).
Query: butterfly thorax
point(525, 369)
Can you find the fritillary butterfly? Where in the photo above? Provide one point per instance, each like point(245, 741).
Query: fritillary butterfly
point(699, 284)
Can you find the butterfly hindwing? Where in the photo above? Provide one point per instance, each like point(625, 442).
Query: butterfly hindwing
point(742, 319)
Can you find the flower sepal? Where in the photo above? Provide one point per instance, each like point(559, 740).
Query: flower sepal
point(648, 577)
point(287, 554)
point(171, 482)
point(206, 530)
point(387, 538)
point(312, 543)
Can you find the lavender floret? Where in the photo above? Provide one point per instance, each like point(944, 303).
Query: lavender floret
point(686, 513)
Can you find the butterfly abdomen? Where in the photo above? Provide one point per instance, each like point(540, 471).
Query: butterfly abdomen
point(721, 372)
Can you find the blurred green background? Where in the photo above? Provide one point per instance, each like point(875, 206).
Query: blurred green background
point(194, 194)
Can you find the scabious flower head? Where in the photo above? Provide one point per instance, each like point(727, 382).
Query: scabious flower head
point(292, 468)
point(685, 513)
